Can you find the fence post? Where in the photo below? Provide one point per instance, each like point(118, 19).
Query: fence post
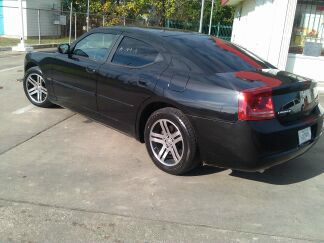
point(218, 29)
point(211, 17)
point(70, 32)
point(38, 23)
point(201, 15)
point(103, 20)
point(75, 25)
point(88, 15)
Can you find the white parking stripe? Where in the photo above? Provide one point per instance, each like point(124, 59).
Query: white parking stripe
point(8, 69)
point(23, 110)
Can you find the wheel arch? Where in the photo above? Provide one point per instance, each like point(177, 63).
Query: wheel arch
point(145, 112)
point(31, 64)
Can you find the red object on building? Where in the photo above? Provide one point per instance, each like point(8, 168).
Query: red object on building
point(224, 2)
point(318, 8)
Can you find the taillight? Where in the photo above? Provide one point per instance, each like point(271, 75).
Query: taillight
point(255, 104)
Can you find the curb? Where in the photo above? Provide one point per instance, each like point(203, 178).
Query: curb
point(37, 46)
point(40, 46)
point(6, 48)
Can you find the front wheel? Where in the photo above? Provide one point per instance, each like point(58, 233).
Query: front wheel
point(171, 141)
point(35, 88)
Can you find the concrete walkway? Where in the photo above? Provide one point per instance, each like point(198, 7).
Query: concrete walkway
point(65, 178)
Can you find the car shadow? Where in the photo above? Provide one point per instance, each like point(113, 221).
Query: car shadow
point(294, 171)
point(303, 168)
point(54, 106)
point(204, 170)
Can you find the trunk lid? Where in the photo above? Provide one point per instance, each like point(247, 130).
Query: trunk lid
point(294, 97)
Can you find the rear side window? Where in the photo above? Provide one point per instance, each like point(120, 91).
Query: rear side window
point(135, 53)
point(214, 55)
point(95, 46)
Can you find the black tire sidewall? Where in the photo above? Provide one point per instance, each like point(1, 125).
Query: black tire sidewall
point(36, 70)
point(186, 163)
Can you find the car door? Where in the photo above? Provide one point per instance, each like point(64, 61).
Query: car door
point(74, 76)
point(127, 79)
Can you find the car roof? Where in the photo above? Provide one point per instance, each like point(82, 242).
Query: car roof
point(156, 32)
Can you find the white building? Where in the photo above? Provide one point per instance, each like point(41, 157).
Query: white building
point(287, 33)
point(49, 14)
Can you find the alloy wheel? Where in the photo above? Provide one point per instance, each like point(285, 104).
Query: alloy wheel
point(36, 89)
point(166, 142)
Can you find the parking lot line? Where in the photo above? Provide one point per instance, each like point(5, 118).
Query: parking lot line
point(23, 110)
point(8, 69)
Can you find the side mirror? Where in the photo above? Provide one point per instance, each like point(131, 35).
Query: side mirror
point(64, 48)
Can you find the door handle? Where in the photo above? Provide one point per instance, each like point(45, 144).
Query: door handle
point(91, 69)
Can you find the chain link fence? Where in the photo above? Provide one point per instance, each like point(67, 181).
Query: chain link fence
point(44, 26)
point(219, 30)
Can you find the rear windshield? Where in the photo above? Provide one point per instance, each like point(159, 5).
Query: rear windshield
point(215, 55)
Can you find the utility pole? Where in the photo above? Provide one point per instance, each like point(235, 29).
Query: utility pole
point(201, 15)
point(211, 17)
point(21, 46)
point(75, 25)
point(22, 37)
point(88, 15)
point(38, 25)
point(70, 33)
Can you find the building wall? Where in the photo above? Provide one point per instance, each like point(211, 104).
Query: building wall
point(1, 19)
point(264, 27)
point(11, 18)
point(248, 31)
point(312, 67)
point(47, 28)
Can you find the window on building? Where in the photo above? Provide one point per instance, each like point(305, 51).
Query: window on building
point(308, 29)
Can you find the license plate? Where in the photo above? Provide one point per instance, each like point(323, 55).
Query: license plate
point(304, 135)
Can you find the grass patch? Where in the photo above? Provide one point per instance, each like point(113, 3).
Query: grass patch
point(8, 41)
point(32, 41)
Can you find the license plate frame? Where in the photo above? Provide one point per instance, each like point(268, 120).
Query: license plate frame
point(304, 135)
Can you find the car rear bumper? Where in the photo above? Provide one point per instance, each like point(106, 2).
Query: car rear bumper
point(253, 145)
point(278, 158)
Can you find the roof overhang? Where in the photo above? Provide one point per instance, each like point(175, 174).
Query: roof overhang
point(230, 2)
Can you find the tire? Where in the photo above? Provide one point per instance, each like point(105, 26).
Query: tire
point(171, 142)
point(35, 88)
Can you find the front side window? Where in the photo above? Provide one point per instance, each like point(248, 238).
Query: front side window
point(95, 46)
point(135, 53)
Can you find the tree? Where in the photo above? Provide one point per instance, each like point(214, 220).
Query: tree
point(155, 11)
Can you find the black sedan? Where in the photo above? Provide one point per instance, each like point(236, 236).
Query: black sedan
point(191, 98)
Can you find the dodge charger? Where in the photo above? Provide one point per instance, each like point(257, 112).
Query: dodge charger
point(191, 98)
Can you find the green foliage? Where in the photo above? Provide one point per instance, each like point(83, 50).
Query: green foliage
point(154, 11)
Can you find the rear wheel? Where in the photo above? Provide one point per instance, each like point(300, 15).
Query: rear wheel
point(170, 141)
point(35, 88)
